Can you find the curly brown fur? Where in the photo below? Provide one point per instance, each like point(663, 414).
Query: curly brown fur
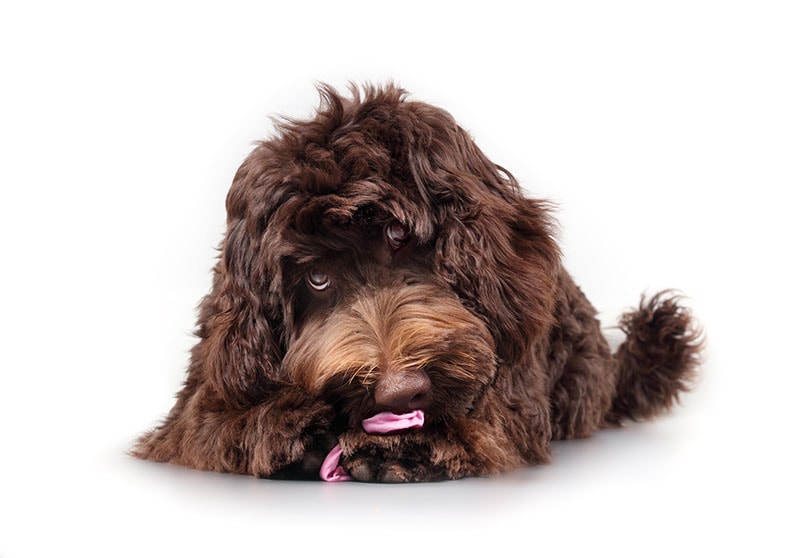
point(375, 259)
point(658, 359)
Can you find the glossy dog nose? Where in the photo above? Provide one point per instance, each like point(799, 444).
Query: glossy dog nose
point(401, 392)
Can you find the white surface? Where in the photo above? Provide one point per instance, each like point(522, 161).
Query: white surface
point(668, 135)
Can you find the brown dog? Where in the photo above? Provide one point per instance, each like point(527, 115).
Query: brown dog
point(376, 260)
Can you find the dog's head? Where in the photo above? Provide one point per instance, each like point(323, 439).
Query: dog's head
point(375, 256)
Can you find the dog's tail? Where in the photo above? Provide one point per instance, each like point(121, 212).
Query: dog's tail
point(658, 359)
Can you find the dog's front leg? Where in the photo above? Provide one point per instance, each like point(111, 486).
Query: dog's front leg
point(287, 434)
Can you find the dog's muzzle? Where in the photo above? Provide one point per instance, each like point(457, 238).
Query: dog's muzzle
point(395, 349)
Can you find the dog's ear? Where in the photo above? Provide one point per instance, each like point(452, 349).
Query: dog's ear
point(241, 321)
point(494, 246)
point(503, 263)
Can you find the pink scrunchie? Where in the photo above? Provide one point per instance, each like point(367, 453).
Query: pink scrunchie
point(382, 423)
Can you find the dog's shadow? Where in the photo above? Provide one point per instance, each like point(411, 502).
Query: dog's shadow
point(609, 458)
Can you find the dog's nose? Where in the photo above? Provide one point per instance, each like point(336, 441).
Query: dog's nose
point(401, 392)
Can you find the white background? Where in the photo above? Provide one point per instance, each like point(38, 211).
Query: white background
point(668, 133)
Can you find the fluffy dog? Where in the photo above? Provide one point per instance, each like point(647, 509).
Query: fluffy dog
point(376, 260)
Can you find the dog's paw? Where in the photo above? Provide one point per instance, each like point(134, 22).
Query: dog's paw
point(394, 458)
point(294, 435)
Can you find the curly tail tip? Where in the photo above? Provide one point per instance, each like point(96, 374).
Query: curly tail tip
point(659, 358)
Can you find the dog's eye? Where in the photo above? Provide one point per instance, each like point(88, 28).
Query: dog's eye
point(397, 234)
point(317, 280)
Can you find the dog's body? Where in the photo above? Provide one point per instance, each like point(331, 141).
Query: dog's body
point(376, 260)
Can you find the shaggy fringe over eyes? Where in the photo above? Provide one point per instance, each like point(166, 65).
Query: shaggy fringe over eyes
point(494, 247)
